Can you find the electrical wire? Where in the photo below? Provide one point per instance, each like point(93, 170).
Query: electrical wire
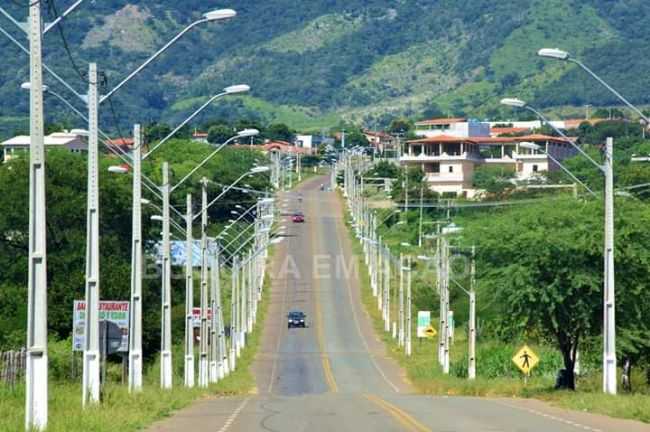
point(54, 13)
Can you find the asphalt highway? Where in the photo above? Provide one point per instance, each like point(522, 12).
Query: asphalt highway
point(334, 375)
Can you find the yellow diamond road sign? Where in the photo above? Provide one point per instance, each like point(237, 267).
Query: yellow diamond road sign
point(430, 332)
point(525, 359)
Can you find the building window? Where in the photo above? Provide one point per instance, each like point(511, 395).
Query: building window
point(451, 169)
point(535, 168)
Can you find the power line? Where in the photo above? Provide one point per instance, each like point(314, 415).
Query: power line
point(54, 13)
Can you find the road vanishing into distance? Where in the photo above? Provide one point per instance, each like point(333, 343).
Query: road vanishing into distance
point(335, 375)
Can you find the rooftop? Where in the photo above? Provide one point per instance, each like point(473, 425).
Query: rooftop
point(441, 121)
point(54, 139)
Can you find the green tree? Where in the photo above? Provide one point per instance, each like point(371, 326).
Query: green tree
point(279, 132)
point(156, 132)
point(542, 264)
point(219, 134)
point(385, 169)
point(495, 180)
point(400, 125)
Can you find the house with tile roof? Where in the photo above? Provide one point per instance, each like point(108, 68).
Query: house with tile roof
point(72, 141)
point(449, 162)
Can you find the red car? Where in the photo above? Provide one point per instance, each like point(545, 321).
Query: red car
point(298, 218)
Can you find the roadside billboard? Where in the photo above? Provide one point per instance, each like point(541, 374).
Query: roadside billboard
point(424, 322)
point(115, 311)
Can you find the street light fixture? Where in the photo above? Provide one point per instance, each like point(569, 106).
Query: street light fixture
point(118, 169)
point(554, 53)
point(220, 14)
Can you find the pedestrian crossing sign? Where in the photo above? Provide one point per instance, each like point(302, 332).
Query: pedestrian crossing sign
point(430, 332)
point(525, 359)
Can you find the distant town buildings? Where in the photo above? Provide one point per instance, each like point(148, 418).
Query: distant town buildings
point(381, 141)
point(198, 136)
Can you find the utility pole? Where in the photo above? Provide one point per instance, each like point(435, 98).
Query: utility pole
point(406, 194)
point(445, 305)
point(36, 389)
point(386, 257)
point(189, 297)
point(609, 327)
point(401, 300)
point(409, 312)
point(471, 366)
point(242, 304)
point(203, 332)
point(440, 290)
point(135, 321)
point(218, 345)
point(92, 364)
point(378, 270)
point(234, 339)
point(215, 327)
point(166, 312)
point(299, 166)
point(421, 214)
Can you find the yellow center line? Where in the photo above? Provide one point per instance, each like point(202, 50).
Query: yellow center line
point(398, 414)
point(320, 338)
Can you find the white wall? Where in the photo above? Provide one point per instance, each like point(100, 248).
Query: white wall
point(304, 141)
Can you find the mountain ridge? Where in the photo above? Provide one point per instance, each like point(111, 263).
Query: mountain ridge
point(361, 60)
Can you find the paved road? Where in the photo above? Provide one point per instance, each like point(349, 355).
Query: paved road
point(334, 375)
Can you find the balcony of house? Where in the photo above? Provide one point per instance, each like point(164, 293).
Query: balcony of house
point(497, 151)
point(439, 149)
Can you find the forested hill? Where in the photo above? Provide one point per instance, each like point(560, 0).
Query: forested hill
point(309, 59)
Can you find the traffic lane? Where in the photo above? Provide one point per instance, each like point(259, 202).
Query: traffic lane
point(291, 365)
point(314, 413)
point(359, 359)
point(466, 414)
point(352, 366)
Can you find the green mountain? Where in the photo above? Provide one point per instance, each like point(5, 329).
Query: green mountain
point(312, 62)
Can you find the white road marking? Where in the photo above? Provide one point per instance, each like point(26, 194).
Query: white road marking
point(234, 415)
point(550, 417)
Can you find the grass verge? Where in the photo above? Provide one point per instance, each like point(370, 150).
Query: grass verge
point(423, 371)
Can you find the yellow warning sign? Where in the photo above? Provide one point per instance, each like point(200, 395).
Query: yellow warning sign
point(525, 359)
point(430, 332)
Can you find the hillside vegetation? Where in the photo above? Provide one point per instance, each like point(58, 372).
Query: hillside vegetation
point(360, 59)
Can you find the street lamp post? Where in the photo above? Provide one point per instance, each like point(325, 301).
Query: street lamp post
point(36, 388)
point(91, 356)
point(203, 357)
point(409, 312)
point(189, 297)
point(135, 321)
point(166, 312)
point(609, 324)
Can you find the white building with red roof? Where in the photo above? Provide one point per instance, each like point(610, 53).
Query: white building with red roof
point(449, 161)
